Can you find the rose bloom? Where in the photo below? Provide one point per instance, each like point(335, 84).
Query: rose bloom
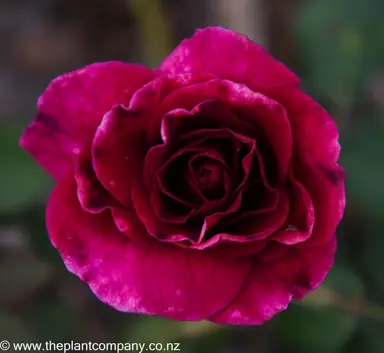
point(207, 188)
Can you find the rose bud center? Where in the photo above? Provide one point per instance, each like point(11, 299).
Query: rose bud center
point(208, 174)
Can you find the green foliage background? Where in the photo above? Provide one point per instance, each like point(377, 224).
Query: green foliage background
point(339, 51)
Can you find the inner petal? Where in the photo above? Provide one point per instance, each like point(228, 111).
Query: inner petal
point(208, 175)
point(92, 195)
point(250, 113)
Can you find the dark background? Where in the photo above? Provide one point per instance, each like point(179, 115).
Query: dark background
point(336, 46)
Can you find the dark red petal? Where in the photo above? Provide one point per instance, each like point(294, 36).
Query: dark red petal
point(211, 220)
point(231, 146)
point(257, 199)
point(134, 277)
point(167, 205)
point(92, 195)
point(147, 102)
point(161, 160)
point(118, 151)
point(190, 154)
point(263, 210)
point(209, 114)
point(171, 201)
point(164, 231)
point(328, 202)
point(271, 285)
point(301, 219)
point(262, 224)
point(227, 54)
point(267, 118)
point(316, 152)
point(72, 107)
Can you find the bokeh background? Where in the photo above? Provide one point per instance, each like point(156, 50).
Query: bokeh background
point(336, 46)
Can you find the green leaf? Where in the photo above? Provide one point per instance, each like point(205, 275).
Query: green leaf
point(22, 181)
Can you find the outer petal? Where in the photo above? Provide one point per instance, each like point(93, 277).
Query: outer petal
point(118, 151)
point(91, 194)
point(72, 106)
point(271, 285)
point(299, 225)
point(229, 55)
point(315, 154)
point(158, 280)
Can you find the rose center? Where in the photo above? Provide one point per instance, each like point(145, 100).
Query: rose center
point(208, 175)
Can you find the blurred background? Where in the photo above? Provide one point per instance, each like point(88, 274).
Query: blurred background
point(337, 48)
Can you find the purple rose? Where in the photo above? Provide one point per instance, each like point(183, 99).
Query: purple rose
point(206, 189)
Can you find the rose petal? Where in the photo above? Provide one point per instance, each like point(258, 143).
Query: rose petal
point(316, 152)
point(118, 152)
point(209, 114)
point(257, 199)
point(233, 147)
point(271, 285)
point(167, 203)
point(147, 101)
point(167, 206)
point(227, 54)
point(91, 194)
point(203, 142)
point(230, 250)
point(258, 225)
point(301, 219)
point(71, 108)
point(164, 231)
point(267, 118)
point(160, 280)
point(190, 154)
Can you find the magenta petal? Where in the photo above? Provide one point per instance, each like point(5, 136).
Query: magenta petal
point(118, 151)
point(231, 250)
point(271, 285)
point(328, 203)
point(155, 226)
point(258, 115)
point(301, 219)
point(54, 149)
point(316, 152)
point(260, 225)
point(264, 294)
point(209, 114)
point(229, 55)
point(159, 280)
point(92, 195)
point(147, 102)
point(72, 107)
point(168, 205)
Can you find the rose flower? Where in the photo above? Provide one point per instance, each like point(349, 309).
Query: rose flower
point(207, 188)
